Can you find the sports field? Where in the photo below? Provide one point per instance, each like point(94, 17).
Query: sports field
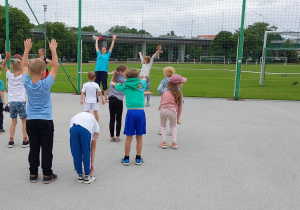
point(208, 80)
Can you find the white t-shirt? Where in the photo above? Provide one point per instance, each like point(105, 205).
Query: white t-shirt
point(86, 120)
point(16, 89)
point(90, 89)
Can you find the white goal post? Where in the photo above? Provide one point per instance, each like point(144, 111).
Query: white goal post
point(263, 58)
point(211, 59)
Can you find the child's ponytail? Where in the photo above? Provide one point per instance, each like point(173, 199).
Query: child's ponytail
point(120, 68)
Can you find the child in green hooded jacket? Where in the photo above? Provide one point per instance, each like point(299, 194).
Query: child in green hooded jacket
point(135, 122)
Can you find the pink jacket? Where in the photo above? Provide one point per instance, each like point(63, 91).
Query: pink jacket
point(167, 100)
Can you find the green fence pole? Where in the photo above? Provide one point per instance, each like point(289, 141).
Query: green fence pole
point(79, 49)
point(7, 29)
point(240, 55)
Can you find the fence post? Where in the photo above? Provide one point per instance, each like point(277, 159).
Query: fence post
point(240, 55)
point(7, 30)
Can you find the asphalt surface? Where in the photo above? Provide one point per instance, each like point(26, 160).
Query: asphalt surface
point(231, 155)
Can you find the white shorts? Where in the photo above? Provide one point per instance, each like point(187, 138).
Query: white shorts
point(91, 106)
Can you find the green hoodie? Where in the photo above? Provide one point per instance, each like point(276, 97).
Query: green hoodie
point(133, 88)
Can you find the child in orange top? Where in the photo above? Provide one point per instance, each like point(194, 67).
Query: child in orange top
point(170, 108)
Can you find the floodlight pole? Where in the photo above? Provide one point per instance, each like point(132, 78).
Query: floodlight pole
point(79, 66)
point(7, 29)
point(192, 29)
point(240, 55)
point(45, 10)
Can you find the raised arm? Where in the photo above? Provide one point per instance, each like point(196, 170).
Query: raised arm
point(112, 43)
point(96, 45)
point(27, 48)
point(54, 69)
point(141, 57)
point(18, 57)
point(4, 64)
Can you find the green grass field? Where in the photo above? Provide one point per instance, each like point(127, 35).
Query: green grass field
point(207, 80)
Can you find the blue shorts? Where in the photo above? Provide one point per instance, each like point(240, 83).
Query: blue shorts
point(17, 107)
point(135, 122)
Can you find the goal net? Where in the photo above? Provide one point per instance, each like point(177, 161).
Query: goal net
point(212, 59)
point(279, 48)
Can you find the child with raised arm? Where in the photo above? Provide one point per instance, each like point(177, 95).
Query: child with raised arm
point(39, 124)
point(1, 104)
point(147, 63)
point(135, 122)
point(116, 103)
point(91, 90)
point(16, 99)
point(84, 131)
point(170, 108)
point(101, 68)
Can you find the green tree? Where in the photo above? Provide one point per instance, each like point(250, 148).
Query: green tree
point(254, 37)
point(290, 54)
point(222, 45)
point(124, 30)
point(19, 29)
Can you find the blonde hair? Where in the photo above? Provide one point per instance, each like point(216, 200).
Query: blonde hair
point(91, 75)
point(132, 73)
point(36, 66)
point(169, 71)
point(16, 66)
point(175, 92)
point(120, 68)
point(147, 59)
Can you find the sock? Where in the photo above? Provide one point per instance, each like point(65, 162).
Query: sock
point(126, 157)
point(138, 157)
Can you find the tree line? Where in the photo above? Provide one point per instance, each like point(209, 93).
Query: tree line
point(224, 44)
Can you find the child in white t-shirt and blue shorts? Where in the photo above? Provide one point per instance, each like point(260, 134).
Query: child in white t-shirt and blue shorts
point(92, 91)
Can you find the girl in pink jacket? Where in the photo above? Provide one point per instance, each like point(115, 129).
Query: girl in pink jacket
point(170, 108)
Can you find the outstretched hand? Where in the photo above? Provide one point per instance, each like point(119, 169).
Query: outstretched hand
point(114, 36)
point(53, 44)
point(18, 56)
point(8, 55)
point(28, 44)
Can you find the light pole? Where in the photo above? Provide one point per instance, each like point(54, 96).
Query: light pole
point(45, 10)
point(192, 29)
point(125, 21)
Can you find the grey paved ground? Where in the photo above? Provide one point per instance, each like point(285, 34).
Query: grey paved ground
point(231, 155)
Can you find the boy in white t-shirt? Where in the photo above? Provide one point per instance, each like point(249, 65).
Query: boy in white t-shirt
point(84, 131)
point(16, 99)
point(91, 90)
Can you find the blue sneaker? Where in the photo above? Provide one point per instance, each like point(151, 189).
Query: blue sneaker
point(138, 161)
point(125, 162)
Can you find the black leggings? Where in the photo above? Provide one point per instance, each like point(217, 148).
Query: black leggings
point(115, 110)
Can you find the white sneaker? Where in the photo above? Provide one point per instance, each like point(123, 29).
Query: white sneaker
point(80, 178)
point(89, 179)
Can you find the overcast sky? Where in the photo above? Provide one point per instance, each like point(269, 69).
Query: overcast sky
point(184, 17)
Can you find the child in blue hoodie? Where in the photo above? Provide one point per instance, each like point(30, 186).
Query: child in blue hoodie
point(135, 122)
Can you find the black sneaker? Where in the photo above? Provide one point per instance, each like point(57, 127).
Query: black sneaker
point(2, 130)
point(33, 179)
point(11, 144)
point(89, 179)
point(51, 178)
point(80, 178)
point(25, 144)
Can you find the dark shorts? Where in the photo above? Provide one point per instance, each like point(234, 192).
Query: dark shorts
point(135, 122)
point(101, 77)
point(17, 107)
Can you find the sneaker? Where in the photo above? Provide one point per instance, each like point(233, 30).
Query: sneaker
point(117, 140)
point(2, 130)
point(174, 145)
point(11, 144)
point(138, 161)
point(25, 144)
point(112, 139)
point(89, 179)
point(33, 178)
point(147, 104)
point(80, 178)
point(51, 178)
point(163, 145)
point(125, 162)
